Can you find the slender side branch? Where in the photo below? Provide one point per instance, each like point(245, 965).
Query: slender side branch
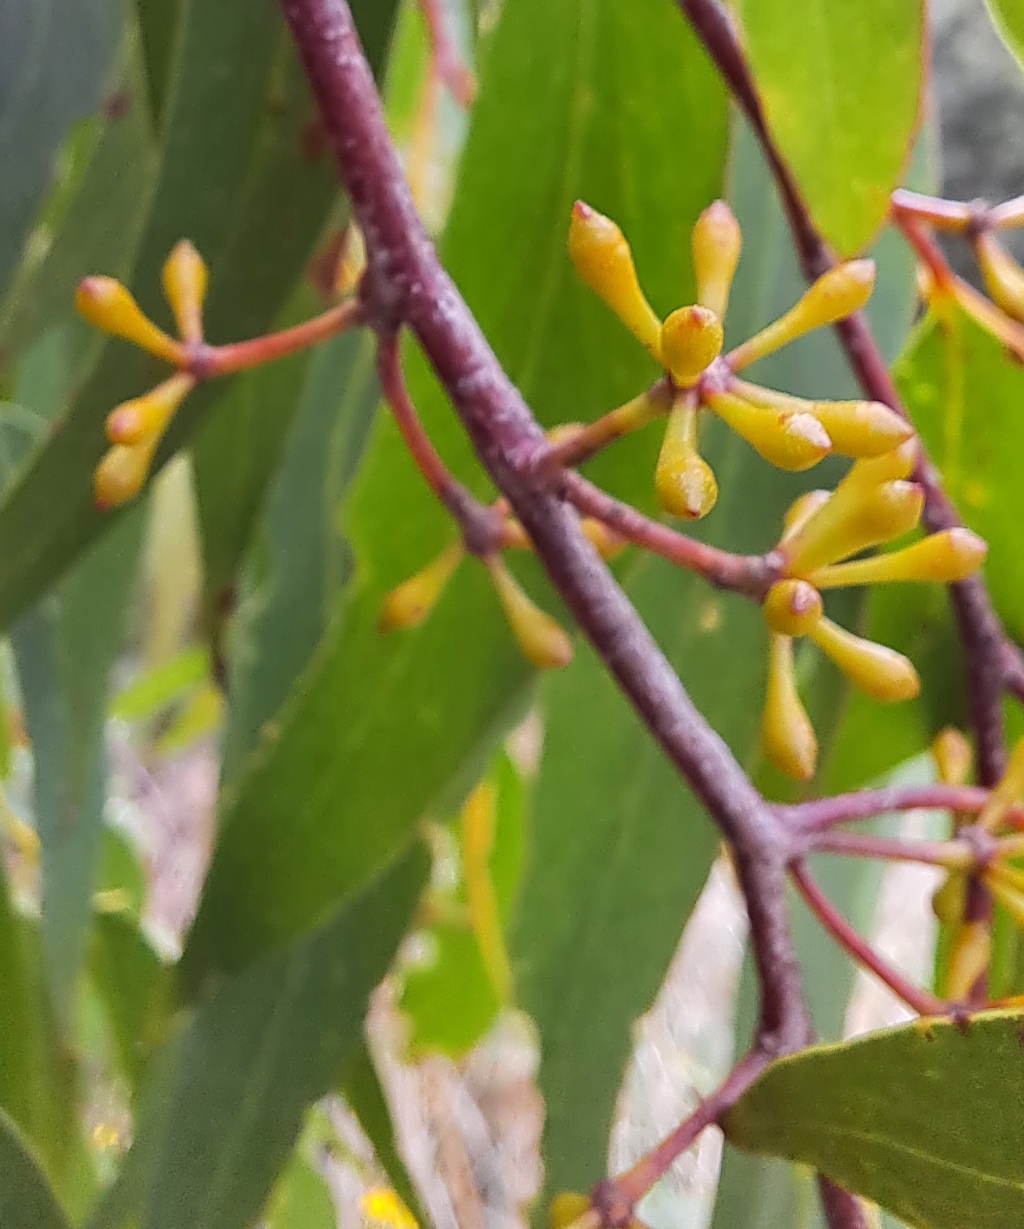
point(750, 575)
point(205, 361)
point(863, 953)
point(821, 813)
point(954, 855)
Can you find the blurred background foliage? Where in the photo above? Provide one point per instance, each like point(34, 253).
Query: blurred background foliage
point(231, 809)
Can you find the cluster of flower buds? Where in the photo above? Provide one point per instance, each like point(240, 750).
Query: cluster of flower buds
point(969, 950)
point(135, 427)
point(872, 505)
point(787, 431)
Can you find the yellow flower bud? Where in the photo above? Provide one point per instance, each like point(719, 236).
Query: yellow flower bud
point(601, 256)
point(856, 428)
point(792, 607)
point(105, 303)
point(1006, 793)
point(605, 541)
point(387, 1208)
point(968, 959)
point(882, 673)
point(835, 294)
point(952, 755)
point(716, 242)
point(543, 643)
point(691, 338)
point(873, 471)
point(787, 736)
point(789, 441)
point(185, 278)
point(122, 472)
point(1004, 278)
point(409, 603)
point(683, 481)
point(948, 898)
point(951, 555)
point(566, 1207)
point(851, 521)
point(800, 512)
point(135, 420)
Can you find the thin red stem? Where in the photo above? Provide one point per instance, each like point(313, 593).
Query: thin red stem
point(445, 59)
point(616, 1197)
point(956, 855)
point(821, 813)
point(858, 949)
point(750, 575)
point(954, 216)
point(205, 361)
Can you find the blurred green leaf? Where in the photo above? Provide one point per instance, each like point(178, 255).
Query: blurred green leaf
point(365, 1096)
point(840, 85)
point(419, 710)
point(120, 871)
point(100, 226)
point(301, 1200)
point(159, 21)
point(1008, 18)
point(54, 59)
point(133, 985)
point(65, 648)
point(146, 695)
point(218, 183)
point(452, 997)
point(37, 1075)
point(964, 393)
point(945, 1152)
point(26, 1199)
point(226, 1097)
point(300, 560)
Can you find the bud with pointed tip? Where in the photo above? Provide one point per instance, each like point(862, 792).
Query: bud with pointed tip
point(601, 257)
point(952, 755)
point(1006, 793)
point(883, 673)
point(105, 303)
point(953, 554)
point(691, 338)
point(543, 643)
point(409, 603)
point(968, 959)
point(1004, 278)
point(792, 607)
point(567, 1207)
point(716, 242)
point(787, 736)
point(856, 428)
point(135, 420)
point(184, 279)
point(790, 441)
point(683, 481)
point(835, 294)
point(853, 520)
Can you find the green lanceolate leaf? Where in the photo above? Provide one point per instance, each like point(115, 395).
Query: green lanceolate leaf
point(301, 1200)
point(55, 58)
point(963, 393)
point(133, 984)
point(300, 560)
point(364, 1093)
point(840, 85)
point(227, 1096)
point(921, 1119)
point(26, 1198)
point(395, 726)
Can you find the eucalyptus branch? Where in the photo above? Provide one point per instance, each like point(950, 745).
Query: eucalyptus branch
point(821, 813)
point(954, 855)
point(405, 284)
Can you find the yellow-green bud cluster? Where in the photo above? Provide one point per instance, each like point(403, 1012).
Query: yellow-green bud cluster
point(135, 427)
